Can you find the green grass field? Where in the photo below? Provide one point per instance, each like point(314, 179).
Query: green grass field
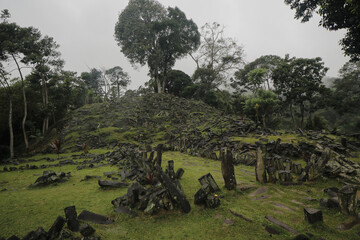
point(23, 209)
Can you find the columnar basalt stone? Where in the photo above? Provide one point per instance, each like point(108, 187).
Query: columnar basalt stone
point(313, 215)
point(260, 170)
point(71, 218)
point(86, 230)
point(227, 168)
point(179, 173)
point(208, 179)
point(271, 171)
point(297, 169)
point(285, 176)
point(112, 184)
point(347, 199)
point(56, 228)
point(212, 201)
point(170, 169)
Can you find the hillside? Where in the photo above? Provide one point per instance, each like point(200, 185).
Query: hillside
point(149, 119)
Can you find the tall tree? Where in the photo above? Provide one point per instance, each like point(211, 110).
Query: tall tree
point(299, 80)
point(335, 15)
point(4, 82)
point(16, 43)
point(119, 79)
point(256, 74)
point(46, 61)
point(347, 89)
point(218, 56)
point(150, 34)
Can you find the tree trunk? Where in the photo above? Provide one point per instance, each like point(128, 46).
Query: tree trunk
point(264, 120)
point(25, 104)
point(118, 91)
point(292, 115)
point(11, 129)
point(302, 110)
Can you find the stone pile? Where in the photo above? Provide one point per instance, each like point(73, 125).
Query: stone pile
point(206, 195)
point(153, 189)
point(71, 219)
point(51, 177)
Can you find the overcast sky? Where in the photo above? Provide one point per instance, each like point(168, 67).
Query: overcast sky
point(85, 28)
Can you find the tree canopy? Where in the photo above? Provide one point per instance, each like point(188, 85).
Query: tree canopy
point(335, 15)
point(150, 34)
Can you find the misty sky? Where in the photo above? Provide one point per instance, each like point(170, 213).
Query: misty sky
point(85, 28)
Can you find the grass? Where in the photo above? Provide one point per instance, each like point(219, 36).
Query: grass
point(23, 209)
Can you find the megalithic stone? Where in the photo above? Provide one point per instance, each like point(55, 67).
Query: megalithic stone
point(272, 174)
point(177, 196)
point(260, 164)
point(71, 218)
point(159, 154)
point(208, 179)
point(313, 215)
point(227, 168)
point(347, 199)
point(170, 169)
point(56, 228)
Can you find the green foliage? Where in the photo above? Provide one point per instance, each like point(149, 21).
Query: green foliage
point(150, 34)
point(256, 73)
point(346, 97)
point(261, 105)
point(335, 15)
point(119, 79)
point(320, 123)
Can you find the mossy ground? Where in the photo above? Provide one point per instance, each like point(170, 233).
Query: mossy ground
point(23, 209)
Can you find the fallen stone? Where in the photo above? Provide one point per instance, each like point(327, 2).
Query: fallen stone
point(281, 224)
point(86, 230)
point(212, 201)
point(39, 234)
point(313, 215)
point(71, 218)
point(56, 228)
point(301, 237)
point(112, 184)
point(260, 190)
point(228, 222)
point(271, 230)
point(240, 216)
point(94, 217)
point(125, 210)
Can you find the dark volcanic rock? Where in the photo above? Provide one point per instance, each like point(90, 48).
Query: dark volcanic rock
point(94, 217)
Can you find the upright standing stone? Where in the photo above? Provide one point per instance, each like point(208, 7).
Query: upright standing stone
point(260, 164)
point(347, 199)
point(227, 168)
point(313, 215)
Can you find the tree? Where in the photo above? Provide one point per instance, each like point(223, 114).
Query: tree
point(217, 56)
point(92, 82)
point(299, 80)
point(256, 73)
point(347, 89)
point(119, 79)
point(4, 82)
point(46, 61)
point(262, 104)
point(150, 34)
point(16, 43)
point(335, 14)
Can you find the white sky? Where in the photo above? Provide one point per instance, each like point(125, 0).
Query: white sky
point(85, 28)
